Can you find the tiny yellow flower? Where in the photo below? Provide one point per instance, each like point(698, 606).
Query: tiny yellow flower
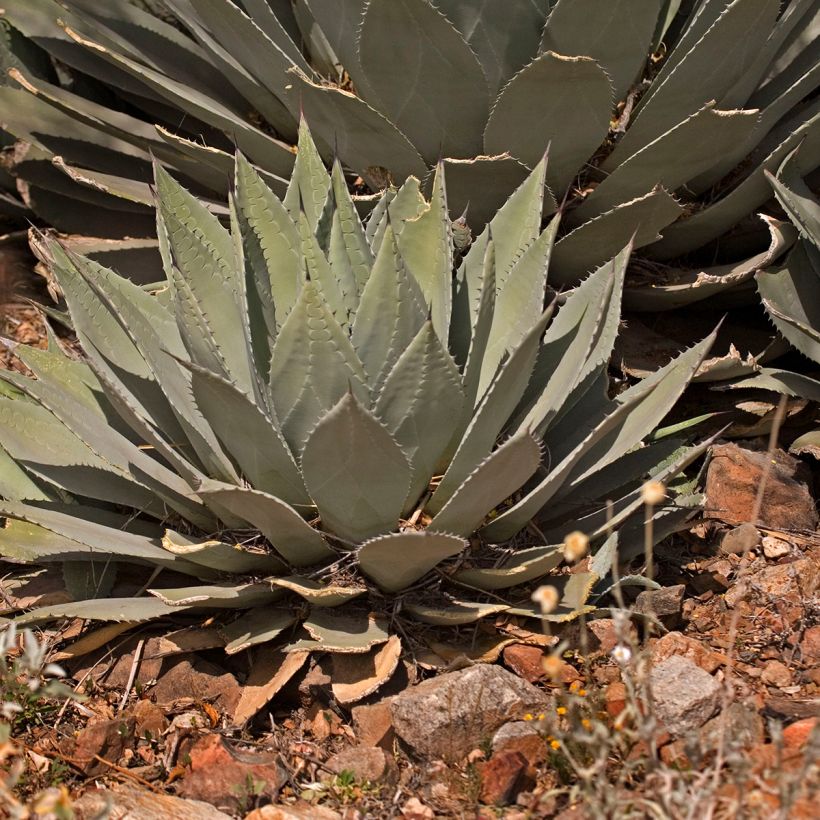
point(574, 686)
point(576, 545)
point(528, 716)
point(653, 493)
point(587, 724)
point(562, 710)
point(555, 744)
point(541, 716)
point(582, 693)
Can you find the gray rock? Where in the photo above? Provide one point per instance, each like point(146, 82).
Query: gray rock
point(129, 803)
point(448, 716)
point(684, 696)
point(741, 539)
point(365, 763)
point(665, 604)
point(743, 728)
point(514, 730)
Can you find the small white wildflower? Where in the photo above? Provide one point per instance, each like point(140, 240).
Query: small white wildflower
point(653, 493)
point(576, 546)
point(621, 654)
point(547, 598)
point(9, 709)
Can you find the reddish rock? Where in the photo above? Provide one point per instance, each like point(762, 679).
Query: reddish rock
point(414, 809)
point(526, 661)
point(796, 736)
point(777, 674)
point(126, 802)
point(521, 736)
point(810, 646)
point(226, 777)
point(373, 724)
point(615, 698)
point(503, 776)
point(605, 635)
point(674, 754)
point(107, 739)
point(149, 719)
point(788, 584)
point(674, 643)
point(294, 811)
point(732, 482)
point(198, 679)
point(365, 763)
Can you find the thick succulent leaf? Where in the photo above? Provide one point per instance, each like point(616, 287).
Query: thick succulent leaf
point(355, 472)
point(501, 474)
point(639, 409)
point(683, 287)
point(313, 365)
point(408, 203)
point(217, 555)
point(618, 40)
point(574, 590)
point(289, 534)
point(807, 444)
point(797, 199)
point(368, 141)
point(219, 596)
point(420, 404)
point(425, 76)
point(317, 593)
point(16, 484)
point(573, 92)
point(458, 613)
point(707, 72)
point(136, 610)
point(397, 560)
point(258, 626)
point(250, 436)
point(391, 312)
point(592, 243)
point(309, 182)
point(331, 632)
point(490, 417)
point(671, 160)
point(781, 381)
point(521, 568)
point(377, 221)
point(89, 579)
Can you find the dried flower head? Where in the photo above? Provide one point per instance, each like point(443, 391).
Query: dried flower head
point(553, 667)
point(576, 546)
point(621, 654)
point(547, 598)
point(653, 493)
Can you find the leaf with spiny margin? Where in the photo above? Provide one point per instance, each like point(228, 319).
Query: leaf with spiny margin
point(89, 579)
point(355, 472)
point(407, 204)
point(258, 626)
point(426, 77)
point(250, 436)
point(797, 198)
point(209, 289)
point(483, 426)
point(349, 253)
point(309, 182)
point(16, 484)
point(581, 251)
point(313, 365)
point(102, 609)
point(421, 403)
point(639, 409)
point(574, 590)
point(271, 243)
point(501, 474)
point(338, 294)
point(459, 613)
point(707, 72)
point(521, 568)
point(572, 91)
point(377, 221)
point(397, 560)
point(331, 632)
point(289, 534)
point(585, 326)
point(217, 555)
point(391, 312)
point(426, 246)
point(317, 593)
point(519, 303)
point(219, 596)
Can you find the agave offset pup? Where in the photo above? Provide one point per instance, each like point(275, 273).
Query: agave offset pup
point(314, 413)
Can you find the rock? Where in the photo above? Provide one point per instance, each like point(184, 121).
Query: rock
point(447, 716)
point(744, 728)
point(373, 724)
point(605, 634)
point(740, 540)
point(796, 736)
point(297, 811)
point(198, 679)
point(790, 583)
point(775, 547)
point(414, 809)
point(107, 739)
point(732, 481)
point(148, 671)
point(676, 644)
point(129, 803)
point(810, 645)
point(526, 661)
point(615, 698)
point(521, 736)
point(227, 777)
point(789, 709)
point(149, 719)
point(665, 604)
point(684, 696)
point(777, 674)
point(365, 763)
point(503, 776)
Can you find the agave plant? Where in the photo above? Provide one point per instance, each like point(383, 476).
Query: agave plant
point(312, 408)
point(662, 117)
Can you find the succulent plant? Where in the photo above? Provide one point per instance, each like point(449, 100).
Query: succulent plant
point(314, 408)
point(662, 117)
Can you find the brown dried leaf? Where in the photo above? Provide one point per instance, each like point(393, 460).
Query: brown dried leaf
point(357, 676)
point(272, 669)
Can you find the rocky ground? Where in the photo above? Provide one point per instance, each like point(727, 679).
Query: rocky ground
point(702, 702)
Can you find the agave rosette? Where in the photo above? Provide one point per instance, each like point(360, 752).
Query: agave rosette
point(312, 409)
